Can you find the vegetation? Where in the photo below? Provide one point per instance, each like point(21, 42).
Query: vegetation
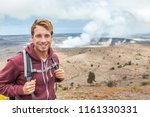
point(112, 83)
point(128, 63)
point(91, 78)
point(145, 76)
point(143, 83)
point(112, 68)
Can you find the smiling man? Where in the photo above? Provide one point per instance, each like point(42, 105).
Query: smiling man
point(45, 65)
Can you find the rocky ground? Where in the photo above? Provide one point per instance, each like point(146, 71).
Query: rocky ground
point(121, 72)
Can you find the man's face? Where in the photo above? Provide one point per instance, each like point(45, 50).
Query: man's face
point(41, 39)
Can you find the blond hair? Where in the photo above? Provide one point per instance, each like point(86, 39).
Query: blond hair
point(44, 23)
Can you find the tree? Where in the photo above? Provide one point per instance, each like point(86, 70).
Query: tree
point(91, 78)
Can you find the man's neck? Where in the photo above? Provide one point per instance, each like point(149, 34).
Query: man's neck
point(41, 55)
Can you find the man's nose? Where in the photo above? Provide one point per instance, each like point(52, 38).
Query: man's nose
point(43, 39)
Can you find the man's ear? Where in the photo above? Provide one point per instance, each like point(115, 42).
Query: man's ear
point(51, 32)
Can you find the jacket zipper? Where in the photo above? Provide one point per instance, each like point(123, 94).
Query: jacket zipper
point(45, 82)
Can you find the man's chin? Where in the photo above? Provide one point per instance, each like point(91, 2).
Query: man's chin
point(43, 49)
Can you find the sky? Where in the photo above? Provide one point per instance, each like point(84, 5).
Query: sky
point(92, 18)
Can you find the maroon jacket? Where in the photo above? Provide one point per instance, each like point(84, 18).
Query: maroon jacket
point(12, 76)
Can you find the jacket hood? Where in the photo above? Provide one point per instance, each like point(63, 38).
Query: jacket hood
point(30, 50)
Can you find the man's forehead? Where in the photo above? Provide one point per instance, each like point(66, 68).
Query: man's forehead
point(41, 29)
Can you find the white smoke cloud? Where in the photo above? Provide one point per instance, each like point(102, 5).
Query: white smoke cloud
point(111, 17)
point(84, 39)
point(116, 19)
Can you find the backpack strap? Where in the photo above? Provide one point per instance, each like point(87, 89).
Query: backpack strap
point(56, 66)
point(27, 68)
point(54, 62)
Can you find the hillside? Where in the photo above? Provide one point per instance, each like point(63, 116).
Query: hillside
point(121, 72)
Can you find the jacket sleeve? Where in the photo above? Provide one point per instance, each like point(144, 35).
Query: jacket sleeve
point(8, 75)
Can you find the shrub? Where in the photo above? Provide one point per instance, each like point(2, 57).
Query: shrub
point(72, 84)
point(145, 76)
point(118, 63)
point(91, 78)
point(65, 88)
point(120, 66)
point(124, 78)
point(68, 61)
point(135, 88)
point(128, 63)
point(145, 83)
point(112, 68)
point(111, 83)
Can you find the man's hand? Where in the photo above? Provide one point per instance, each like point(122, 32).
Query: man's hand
point(29, 87)
point(59, 73)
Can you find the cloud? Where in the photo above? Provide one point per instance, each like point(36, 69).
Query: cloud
point(66, 9)
point(112, 17)
point(74, 10)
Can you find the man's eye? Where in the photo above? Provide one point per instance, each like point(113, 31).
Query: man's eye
point(47, 36)
point(38, 36)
